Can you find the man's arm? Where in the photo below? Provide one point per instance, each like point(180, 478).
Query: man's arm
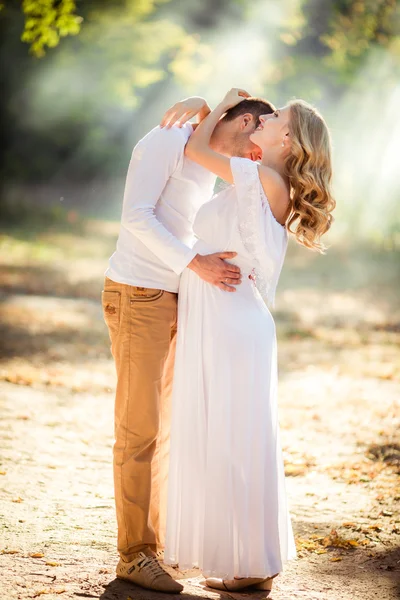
point(183, 111)
point(153, 161)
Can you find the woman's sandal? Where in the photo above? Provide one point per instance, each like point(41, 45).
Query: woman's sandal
point(266, 584)
point(233, 585)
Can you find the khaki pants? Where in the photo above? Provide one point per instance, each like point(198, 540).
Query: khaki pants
point(142, 327)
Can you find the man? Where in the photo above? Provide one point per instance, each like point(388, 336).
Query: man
point(163, 193)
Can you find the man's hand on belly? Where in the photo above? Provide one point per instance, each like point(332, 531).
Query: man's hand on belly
point(214, 269)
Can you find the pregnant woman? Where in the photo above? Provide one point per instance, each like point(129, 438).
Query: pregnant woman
point(227, 507)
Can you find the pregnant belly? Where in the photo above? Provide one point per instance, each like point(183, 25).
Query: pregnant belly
point(233, 315)
point(244, 263)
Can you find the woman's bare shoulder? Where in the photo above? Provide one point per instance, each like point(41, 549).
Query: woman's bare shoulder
point(277, 192)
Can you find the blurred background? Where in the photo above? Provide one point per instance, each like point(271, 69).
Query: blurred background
point(82, 82)
point(89, 78)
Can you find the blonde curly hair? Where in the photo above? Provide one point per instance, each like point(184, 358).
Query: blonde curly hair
point(309, 168)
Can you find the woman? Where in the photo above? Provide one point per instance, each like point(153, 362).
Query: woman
point(227, 510)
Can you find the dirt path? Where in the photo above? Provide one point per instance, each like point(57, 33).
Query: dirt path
point(339, 413)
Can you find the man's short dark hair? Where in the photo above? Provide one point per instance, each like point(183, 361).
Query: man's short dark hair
point(255, 106)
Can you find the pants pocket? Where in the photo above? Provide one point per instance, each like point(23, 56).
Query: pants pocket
point(111, 302)
point(146, 295)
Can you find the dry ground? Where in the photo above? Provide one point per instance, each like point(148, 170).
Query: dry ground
point(338, 321)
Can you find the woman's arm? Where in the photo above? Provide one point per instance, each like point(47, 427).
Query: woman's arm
point(198, 147)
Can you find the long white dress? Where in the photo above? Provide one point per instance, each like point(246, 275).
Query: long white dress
point(227, 510)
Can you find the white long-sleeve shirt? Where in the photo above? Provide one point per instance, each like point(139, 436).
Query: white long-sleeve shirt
point(163, 192)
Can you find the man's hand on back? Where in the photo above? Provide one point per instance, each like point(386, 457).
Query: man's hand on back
point(214, 269)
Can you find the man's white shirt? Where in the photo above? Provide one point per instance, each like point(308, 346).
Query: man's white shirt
point(163, 192)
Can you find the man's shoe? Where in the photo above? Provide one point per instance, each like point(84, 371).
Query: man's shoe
point(147, 572)
point(160, 558)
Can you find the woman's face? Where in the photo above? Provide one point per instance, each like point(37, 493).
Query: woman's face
point(272, 129)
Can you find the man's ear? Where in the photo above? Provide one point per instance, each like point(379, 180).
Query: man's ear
point(245, 120)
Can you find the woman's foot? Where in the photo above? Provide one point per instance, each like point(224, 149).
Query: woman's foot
point(266, 584)
point(233, 585)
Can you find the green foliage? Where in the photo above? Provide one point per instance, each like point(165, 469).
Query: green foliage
point(357, 27)
point(73, 115)
point(126, 48)
point(19, 213)
point(325, 45)
point(46, 21)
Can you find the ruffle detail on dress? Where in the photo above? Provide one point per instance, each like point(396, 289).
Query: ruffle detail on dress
point(255, 226)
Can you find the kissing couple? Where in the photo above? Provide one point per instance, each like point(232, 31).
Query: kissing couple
point(198, 469)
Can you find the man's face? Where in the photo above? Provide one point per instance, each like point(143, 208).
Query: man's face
point(239, 132)
point(245, 148)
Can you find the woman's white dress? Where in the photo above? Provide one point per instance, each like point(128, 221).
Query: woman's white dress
point(227, 510)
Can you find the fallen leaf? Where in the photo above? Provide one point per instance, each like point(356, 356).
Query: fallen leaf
point(295, 470)
point(36, 555)
point(47, 591)
point(334, 540)
point(335, 558)
point(9, 551)
point(3, 472)
point(52, 563)
point(17, 499)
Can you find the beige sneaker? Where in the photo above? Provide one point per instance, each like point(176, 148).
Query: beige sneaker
point(160, 558)
point(147, 572)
